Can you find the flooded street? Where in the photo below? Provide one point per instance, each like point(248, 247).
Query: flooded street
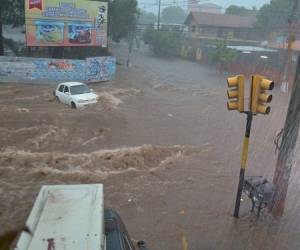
point(165, 147)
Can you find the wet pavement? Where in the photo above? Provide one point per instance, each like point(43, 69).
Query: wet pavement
point(163, 144)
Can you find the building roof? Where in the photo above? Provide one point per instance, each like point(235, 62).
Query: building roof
point(210, 5)
point(251, 49)
point(220, 20)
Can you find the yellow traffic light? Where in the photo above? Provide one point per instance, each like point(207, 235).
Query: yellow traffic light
point(236, 93)
point(259, 95)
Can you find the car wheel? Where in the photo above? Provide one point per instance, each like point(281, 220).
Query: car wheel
point(57, 99)
point(73, 105)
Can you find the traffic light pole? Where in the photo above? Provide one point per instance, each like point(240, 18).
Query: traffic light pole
point(259, 98)
point(243, 163)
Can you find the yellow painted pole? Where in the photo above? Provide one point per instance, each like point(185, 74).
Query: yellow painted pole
point(244, 159)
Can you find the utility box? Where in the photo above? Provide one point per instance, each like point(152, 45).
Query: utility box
point(66, 217)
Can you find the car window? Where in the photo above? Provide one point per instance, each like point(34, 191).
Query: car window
point(61, 88)
point(127, 245)
point(80, 89)
point(66, 89)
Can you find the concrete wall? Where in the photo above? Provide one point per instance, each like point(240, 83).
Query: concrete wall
point(27, 69)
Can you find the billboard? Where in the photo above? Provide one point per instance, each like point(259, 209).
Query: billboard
point(66, 23)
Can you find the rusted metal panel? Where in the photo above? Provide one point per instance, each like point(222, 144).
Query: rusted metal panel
point(66, 217)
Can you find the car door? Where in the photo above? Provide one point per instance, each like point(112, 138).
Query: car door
point(117, 237)
point(60, 92)
point(67, 95)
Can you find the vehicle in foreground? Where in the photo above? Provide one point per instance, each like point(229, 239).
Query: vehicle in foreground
point(75, 94)
point(72, 217)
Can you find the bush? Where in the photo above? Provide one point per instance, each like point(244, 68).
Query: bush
point(148, 35)
point(163, 43)
point(221, 55)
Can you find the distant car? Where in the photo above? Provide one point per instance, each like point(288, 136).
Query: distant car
point(75, 94)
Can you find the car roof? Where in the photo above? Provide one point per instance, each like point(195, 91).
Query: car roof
point(69, 84)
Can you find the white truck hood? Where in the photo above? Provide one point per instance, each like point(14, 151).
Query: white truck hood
point(66, 217)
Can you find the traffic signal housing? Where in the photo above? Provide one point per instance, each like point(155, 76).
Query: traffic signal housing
point(259, 95)
point(235, 93)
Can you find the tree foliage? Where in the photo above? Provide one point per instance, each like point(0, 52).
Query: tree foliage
point(148, 35)
point(276, 15)
point(240, 11)
point(123, 18)
point(146, 18)
point(173, 14)
point(163, 43)
point(11, 12)
point(221, 55)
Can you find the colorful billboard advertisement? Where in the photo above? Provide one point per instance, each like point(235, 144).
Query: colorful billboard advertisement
point(66, 23)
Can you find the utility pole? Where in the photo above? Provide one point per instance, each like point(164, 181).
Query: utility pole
point(285, 158)
point(131, 36)
point(158, 15)
point(130, 45)
point(1, 36)
point(291, 38)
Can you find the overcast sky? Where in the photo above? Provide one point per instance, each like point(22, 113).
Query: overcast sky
point(151, 5)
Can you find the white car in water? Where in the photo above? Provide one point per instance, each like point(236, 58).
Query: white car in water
point(75, 94)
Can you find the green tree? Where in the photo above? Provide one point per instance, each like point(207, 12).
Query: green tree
point(149, 35)
point(240, 11)
point(163, 43)
point(221, 55)
point(276, 15)
point(146, 18)
point(173, 14)
point(123, 18)
point(11, 12)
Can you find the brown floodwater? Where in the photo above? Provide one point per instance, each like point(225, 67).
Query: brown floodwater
point(163, 144)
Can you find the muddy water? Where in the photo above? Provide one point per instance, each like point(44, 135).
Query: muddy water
point(163, 144)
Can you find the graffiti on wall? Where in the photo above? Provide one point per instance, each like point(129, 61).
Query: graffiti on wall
point(28, 69)
point(100, 68)
point(59, 69)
